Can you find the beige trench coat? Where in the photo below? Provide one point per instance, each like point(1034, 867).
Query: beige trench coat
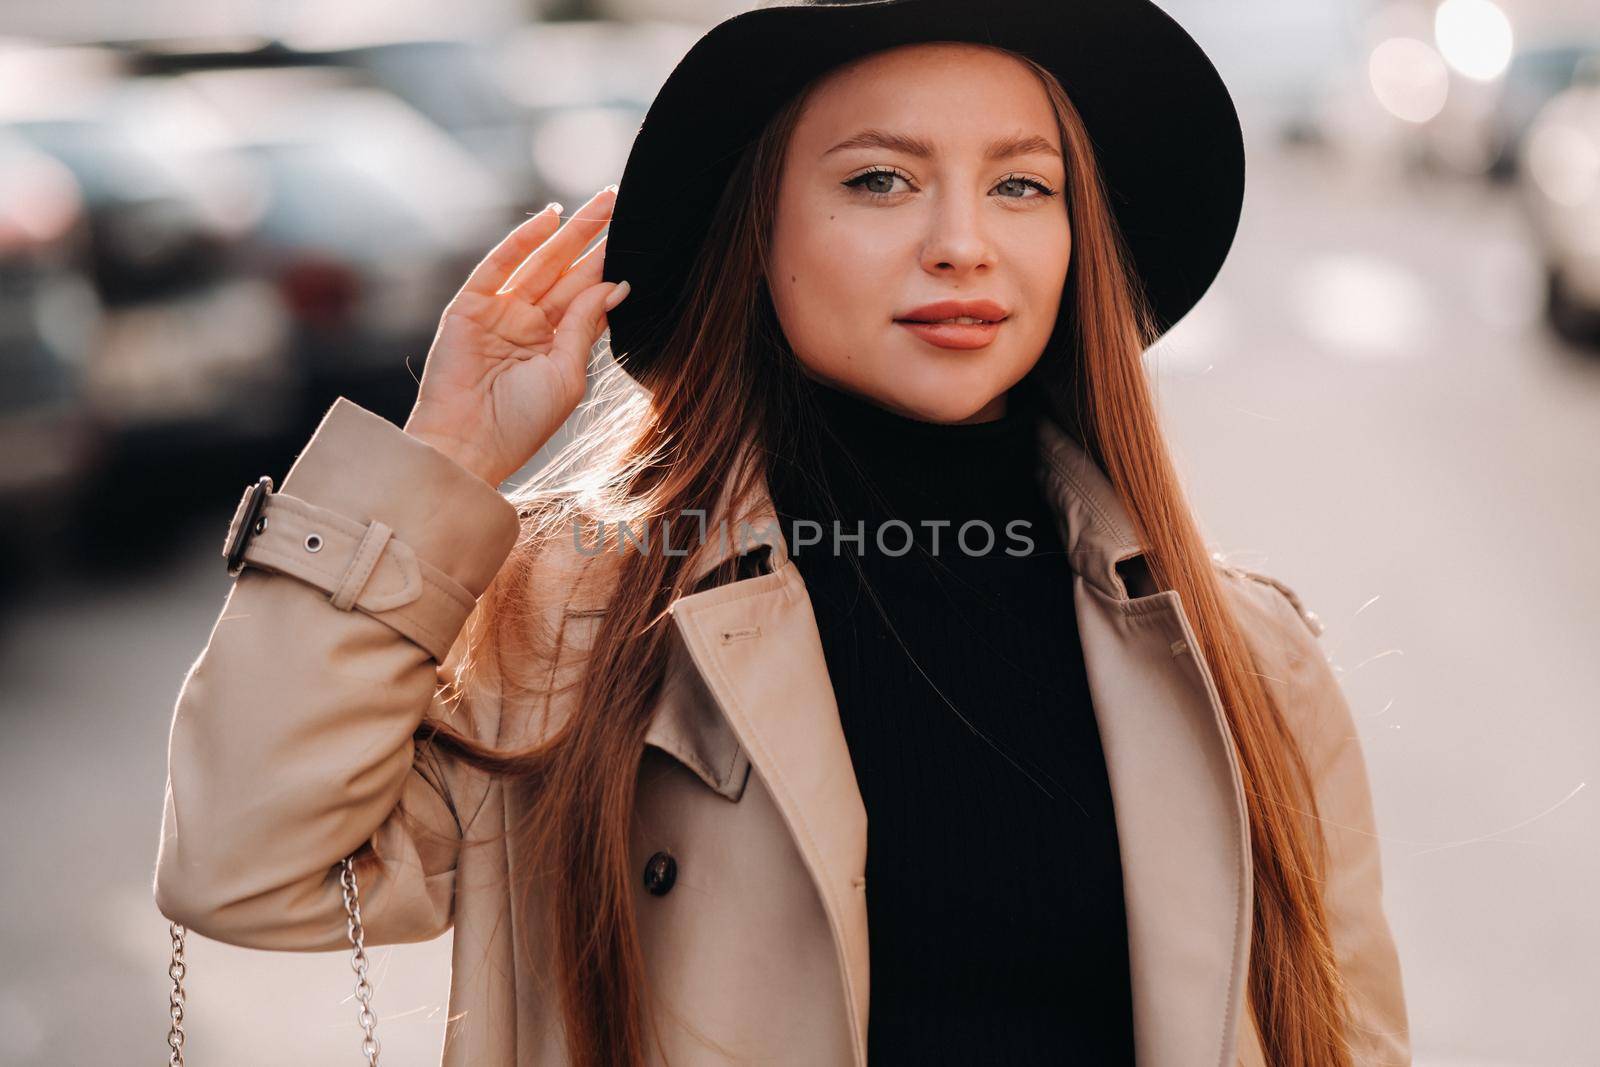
point(291, 746)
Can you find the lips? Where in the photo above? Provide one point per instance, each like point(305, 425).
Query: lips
point(958, 324)
point(985, 310)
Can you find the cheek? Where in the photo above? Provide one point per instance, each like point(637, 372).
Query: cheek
point(830, 274)
point(1045, 273)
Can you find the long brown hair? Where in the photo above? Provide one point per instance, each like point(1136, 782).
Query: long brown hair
point(722, 379)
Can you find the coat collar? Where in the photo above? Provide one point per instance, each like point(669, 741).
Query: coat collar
point(749, 689)
point(1095, 529)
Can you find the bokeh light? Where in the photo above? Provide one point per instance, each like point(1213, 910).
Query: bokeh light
point(1474, 37)
point(1409, 78)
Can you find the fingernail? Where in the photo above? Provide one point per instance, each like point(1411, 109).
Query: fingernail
point(611, 188)
point(614, 297)
point(553, 206)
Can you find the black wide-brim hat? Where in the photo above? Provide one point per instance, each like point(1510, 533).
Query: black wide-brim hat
point(1165, 132)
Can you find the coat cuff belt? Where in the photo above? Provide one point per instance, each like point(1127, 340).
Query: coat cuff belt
point(360, 566)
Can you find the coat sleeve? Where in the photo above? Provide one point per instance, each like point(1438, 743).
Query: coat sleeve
point(1300, 674)
point(291, 740)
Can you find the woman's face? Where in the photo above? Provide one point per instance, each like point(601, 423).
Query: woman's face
point(923, 174)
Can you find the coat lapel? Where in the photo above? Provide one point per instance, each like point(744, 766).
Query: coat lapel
point(753, 647)
point(1182, 824)
point(757, 647)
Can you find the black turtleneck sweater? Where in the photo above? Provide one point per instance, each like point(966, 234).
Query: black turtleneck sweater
point(994, 881)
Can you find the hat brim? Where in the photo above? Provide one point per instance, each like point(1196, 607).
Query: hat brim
point(1165, 131)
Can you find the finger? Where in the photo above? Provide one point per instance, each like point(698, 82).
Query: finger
point(582, 274)
point(580, 327)
point(555, 257)
point(490, 274)
point(547, 263)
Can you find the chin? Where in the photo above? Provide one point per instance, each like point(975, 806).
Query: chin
point(936, 394)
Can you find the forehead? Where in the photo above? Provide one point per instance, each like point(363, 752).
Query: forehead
point(951, 94)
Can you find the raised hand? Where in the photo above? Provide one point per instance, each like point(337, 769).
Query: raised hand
point(508, 364)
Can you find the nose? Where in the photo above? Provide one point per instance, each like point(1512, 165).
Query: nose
point(957, 243)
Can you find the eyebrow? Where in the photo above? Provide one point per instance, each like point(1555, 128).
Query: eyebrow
point(1021, 144)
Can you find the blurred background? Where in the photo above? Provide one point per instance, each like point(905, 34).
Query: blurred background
point(217, 217)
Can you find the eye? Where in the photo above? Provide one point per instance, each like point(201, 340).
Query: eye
point(1017, 181)
point(877, 182)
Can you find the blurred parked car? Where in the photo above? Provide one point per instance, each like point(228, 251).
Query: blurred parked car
point(372, 218)
point(457, 84)
point(460, 86)
point(47, 312)
point(548, 107)
point(1559, 176)
point(190, 348)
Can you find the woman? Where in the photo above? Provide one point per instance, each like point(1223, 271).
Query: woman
point(700, 728)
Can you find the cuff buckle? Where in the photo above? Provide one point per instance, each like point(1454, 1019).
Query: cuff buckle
point(247, 520)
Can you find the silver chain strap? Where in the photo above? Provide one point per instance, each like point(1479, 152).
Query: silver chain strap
point(177, 969)
point(358, 962)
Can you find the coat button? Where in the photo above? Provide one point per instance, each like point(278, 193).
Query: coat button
point(659, 873)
